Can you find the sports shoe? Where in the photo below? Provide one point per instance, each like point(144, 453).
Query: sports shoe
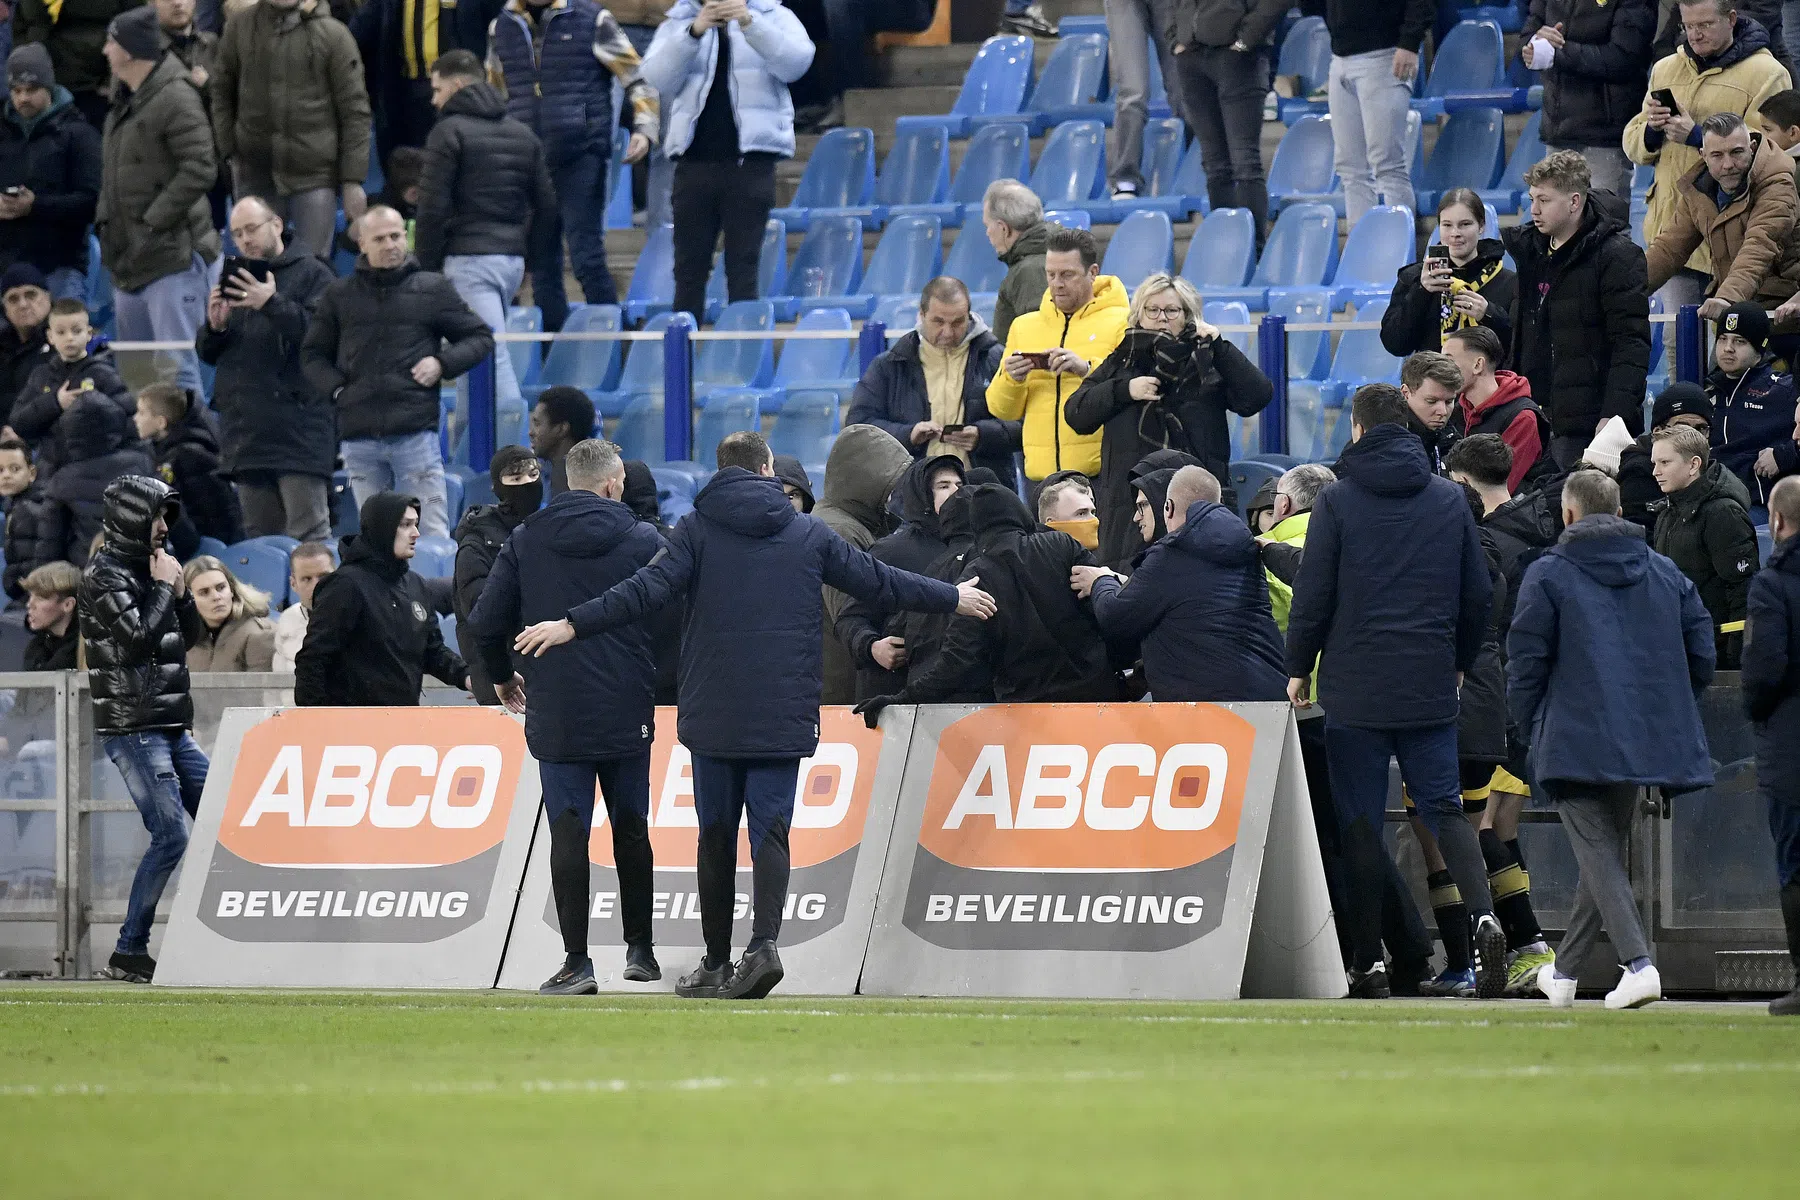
point(1522, 971)
point(576, 980)
point(1636, 989)
point(1560, 992)
point(1124, 193)
point(1408, 979)
point(703, 982)
point(641, 965)
point(1032, 23)
point(1786, 1006)
point(1460, 984)
point(1371, 984)
point(1490, 958)
point(129, 968)
point(756, 975)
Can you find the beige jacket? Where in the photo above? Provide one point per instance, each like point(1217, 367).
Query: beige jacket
point(242, 644)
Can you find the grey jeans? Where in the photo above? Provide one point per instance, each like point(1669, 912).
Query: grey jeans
point(311, 215)
point(1368, 131)
point(1131, 27)
point(296, 505)
point(1598, 817)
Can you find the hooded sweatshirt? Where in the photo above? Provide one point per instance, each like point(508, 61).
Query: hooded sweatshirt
point(479, 536)
point(865, 465)
point(1511, 413)
point(103, 448)
point(789, 471)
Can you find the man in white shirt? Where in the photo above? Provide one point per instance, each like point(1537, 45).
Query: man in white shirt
point(309, 563)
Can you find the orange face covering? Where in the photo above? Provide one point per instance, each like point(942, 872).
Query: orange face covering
point(1086, 531)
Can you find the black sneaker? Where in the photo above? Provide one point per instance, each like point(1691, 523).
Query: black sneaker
point(640, 965)
point(571, 981)
point(1032, 23)
point(129, 968)
point(756, 976)
point(1786, 1006)
point(1490, 958)
point(1371, 984)
point(704, 982)
point(1406, 979)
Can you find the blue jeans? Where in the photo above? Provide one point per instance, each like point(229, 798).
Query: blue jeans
point(1368, 131)
point(487, 283)
point(66, 283)
point(169, 309)
point(581, 196)
point(410, 463)
point(165, 774)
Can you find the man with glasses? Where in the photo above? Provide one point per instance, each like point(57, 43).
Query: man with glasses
point(280, 435)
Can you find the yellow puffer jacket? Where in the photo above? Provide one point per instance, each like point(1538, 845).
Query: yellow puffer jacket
point(1739, 86)
point(1093, 332)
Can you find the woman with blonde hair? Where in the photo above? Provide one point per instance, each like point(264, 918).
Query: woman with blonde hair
point(239, 635)
point(1168, 386)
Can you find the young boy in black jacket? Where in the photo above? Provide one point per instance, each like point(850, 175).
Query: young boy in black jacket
point(32, 537)
point(77, 364)
point(186, 449)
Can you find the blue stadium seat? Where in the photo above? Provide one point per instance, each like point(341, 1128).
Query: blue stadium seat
point(1069, 218)
point(262, 562)
point(998, 151)
point(1468, 71)
point(1069, 88)
point(652, 286)
point(592, 366)
point(899, 313)
point(447, 630)
point(1380, 244)
point(908, 257)
point(807, 425)
point(1309, 354)
point(1642, 176)
point(1072, 167)
point(639, 433)
point(1658, 377)
point(1303, 171)
point(1143, 245)
point(1470, 152)
point(1360, 359)
point(1510, 17)
point(1300, 253)
point(454, 490)
point(771, 271)
point(1508, 196)
point(1306, 53)
point(209, 546)
point(995, 85)
point(524, 319)
point(737, 362)
point(839, 174)
point(434, 557)
point(1219, 254)
point(828, 263)
point(1306, 415)
point(814, 365)
point(982, 304)
point(972, 260)
point(1214, 312)
point(1156, 99)
point(1079, 23)
point(642, 374)
point(916, 171)
point(1159, 163)
point(723, 413)
point(618, 197)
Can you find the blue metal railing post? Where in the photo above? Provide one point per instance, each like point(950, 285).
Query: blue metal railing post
point(678, 388)
point(871, 344)
point(1690, 346)
point(483, 419)
point(1272, 356)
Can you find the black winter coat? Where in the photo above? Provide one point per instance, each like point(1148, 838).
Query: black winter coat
point(59, 160)
point(753, 571)
point(1190, 417)
point(479, 536)
point(594, 699)
point(1595, 85)
point(1581, 332)
point(1481, 715)
point(102, 448)
point(34, 536)
point(1771, 671)
point(924, 632)
point(1414, 319)
point(272, 419)
point(891, 395)
point(1707, 533)
point(485, 177)
point(37, 416)
point(1042, 645)
point(1359, 27)
point(187, 459)
point(368, 332)
point(137, 630)
point(1199, 603)
point(1394, 589)
point(19, 357)
point(665, 625)
point(372, 635)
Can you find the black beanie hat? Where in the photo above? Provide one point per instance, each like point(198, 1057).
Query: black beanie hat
point(138, 33)
point(1680, 399)
point(1749, 320)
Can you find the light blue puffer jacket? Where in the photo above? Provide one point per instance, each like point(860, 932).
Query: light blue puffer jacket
point(772, 53)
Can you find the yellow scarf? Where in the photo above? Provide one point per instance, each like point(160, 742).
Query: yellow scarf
point(1449, 319)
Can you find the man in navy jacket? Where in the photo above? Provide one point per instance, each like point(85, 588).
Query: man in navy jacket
point(751, 569)
point(1392, 601)
point(1198, 602)
point(594, 716)
point(1610, 645)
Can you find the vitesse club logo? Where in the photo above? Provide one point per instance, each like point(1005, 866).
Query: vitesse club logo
point(419, 613)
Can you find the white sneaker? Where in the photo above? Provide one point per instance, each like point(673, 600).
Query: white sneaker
point(1636, 989)
point(1124, 194)
point(1561, 992)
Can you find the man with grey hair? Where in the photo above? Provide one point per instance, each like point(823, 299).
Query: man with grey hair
point(1014, 218)
point(591, 717)
point(1285, 543)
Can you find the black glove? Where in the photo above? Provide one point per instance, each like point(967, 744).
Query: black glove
point(870, 710)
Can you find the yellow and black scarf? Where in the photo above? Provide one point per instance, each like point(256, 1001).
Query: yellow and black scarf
point(1449, 320)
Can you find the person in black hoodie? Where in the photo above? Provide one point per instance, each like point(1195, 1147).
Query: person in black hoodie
point(589, 713)
point(875, 639)
point(372, 635)
point(923, 633)
point(1469, 285)
point(101, 447)
point(796, 484)
point(519, 485)
point(180, 435)
point(1168, 385)
point(1581, 332)
point(1600, 56)
point(79, 363)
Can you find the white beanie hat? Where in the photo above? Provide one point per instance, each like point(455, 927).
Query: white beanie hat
point(1603, 452)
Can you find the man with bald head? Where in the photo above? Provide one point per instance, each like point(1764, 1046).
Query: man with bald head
point(280, 436)
point(1772, 697)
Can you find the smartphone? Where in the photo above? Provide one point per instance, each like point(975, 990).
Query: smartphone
point(1438, 251)
point(954, 428)
point(256, 268)
point(1039, 359)
point(1666, 98)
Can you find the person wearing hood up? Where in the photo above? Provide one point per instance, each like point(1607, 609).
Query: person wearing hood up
point(1468, 286)
point(922, 632)
point(1259, 514)
point(137, 623)
point(372, 636)
point(1706, 531)
point(796, 484)
point(101, 448)
point(929, 389)
point(874, 638)
point(1197, 602)
point(1168, 385)
point(519, 486)
point(180, 435)
point(865, 466)
point(1609, 650)
point(1391, 604)
point(753, 572)
point(1498, 402)
point(590, 710)
point(51, 156)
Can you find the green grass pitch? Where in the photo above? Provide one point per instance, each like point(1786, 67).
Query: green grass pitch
point(109, 1091)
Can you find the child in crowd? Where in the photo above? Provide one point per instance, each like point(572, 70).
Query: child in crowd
point(77, 365)
point(1705, 529)
point(1778, 119)
point(186, 449)
point(32, 538)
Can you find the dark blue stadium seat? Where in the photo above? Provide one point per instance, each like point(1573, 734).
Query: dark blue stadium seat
point(995, 85)
point(1470, 152)
point(1247, 476)
point(724, 413)
point(900, 314)
point(1180, 193)
point(998, 151)
point(652, 286)
point(639, 433)
point(1469, 70)
point(642, 374)
point(814, 365)
point(1306, 53)
point(208, 546)
point(839, 174)
point(1069, 88)
point(737, 362)
point(915, 171)
point(1380, 244)
point(1508, 196)
point(972, 260)
point(1510, 17)
point(1300, 253)
point(1072, 168)
point(1303, 171)
point(524, 319)
point(1069, 218)
point(1361, 358)
point(262, 562)
point(1143, 244)
point(908, 257)
point(807, 425)
point(434, 557)
point(828, 263)
point(592, 366)
point(1221, 251)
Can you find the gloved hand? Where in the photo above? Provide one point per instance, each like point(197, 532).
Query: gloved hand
point(870, 710)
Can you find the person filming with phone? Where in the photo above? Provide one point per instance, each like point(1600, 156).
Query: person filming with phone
point(1461, 281)
point(279, 434)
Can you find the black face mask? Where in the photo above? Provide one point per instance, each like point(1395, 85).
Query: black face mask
point(520, 500)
